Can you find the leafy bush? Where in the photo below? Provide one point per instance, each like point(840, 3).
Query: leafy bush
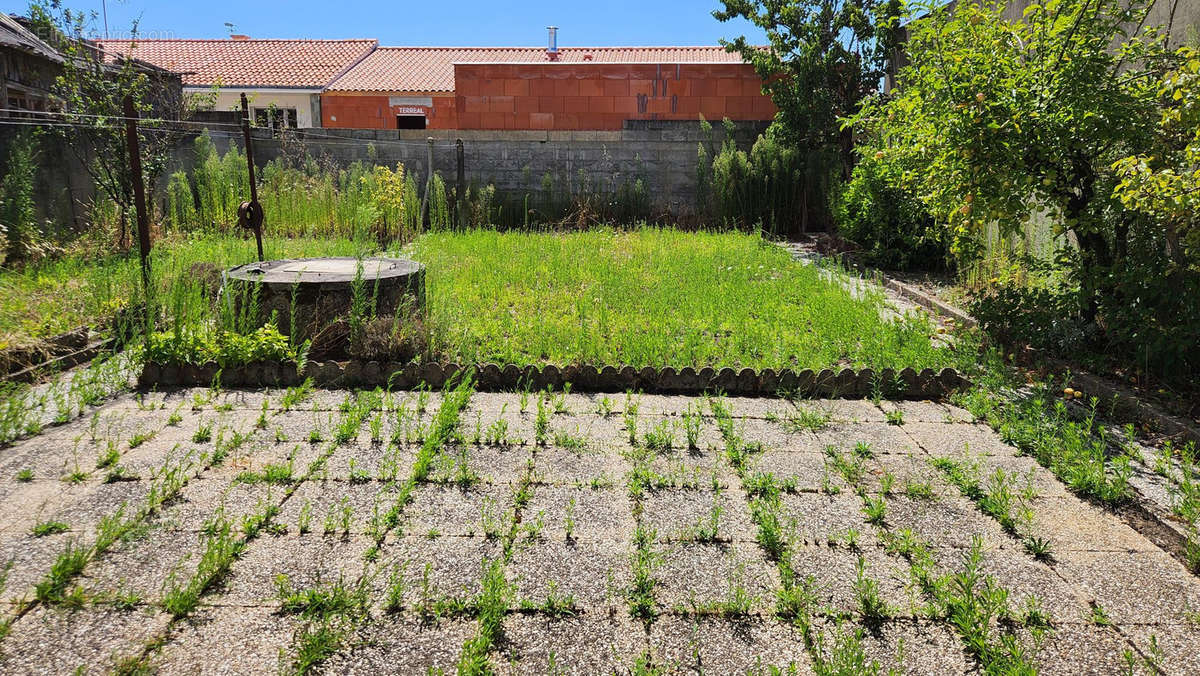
point(1041, 317)
point(226, 348)
point(892, 227)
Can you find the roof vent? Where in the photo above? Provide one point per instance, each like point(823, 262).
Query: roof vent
point(239, 37)
point(552, 45)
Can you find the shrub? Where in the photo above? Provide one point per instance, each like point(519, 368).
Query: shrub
point(18, 221)
point(776, 186)
point(890, 225)
point(226, 348)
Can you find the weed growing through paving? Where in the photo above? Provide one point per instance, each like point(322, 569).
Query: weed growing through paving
point(894, 416)
point(203, 433)
point(693, 421)
point(805, 419)
point(630, 414)
point(604, 407)
point(1040, 424)
point(24, 475)
point(1001, 497)
point(645, 561)
point(796, 599)
point(304, 519)
point(660, 438)
point(44, 528)
point(108, 457)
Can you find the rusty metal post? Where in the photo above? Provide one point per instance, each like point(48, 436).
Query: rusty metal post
point(139, 190)
point(428, 179)
point(461, 193)
point(250, 214)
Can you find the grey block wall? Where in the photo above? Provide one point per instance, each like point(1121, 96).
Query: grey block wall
point(661, 154)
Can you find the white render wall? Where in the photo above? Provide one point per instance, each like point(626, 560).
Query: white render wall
point(306, 101)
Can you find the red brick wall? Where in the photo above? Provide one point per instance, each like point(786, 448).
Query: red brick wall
point(602, 96)
point(353, 111)
point(569, 96)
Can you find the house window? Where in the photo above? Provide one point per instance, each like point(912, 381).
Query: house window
point(275, 118)
point(410, 121)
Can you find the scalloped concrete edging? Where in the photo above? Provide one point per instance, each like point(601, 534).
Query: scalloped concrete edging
point(907, 383)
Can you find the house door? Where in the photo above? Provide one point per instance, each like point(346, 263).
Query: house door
point(410, 121)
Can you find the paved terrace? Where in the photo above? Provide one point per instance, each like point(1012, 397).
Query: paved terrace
point(560, 519)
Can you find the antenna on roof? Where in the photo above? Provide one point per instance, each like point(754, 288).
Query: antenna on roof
point(552, 45)
point(229, 27)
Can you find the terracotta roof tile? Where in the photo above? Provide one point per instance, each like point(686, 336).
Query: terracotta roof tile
point(250, 63)
point(431, 69)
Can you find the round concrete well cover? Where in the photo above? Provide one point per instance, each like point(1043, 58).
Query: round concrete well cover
point(324, 270)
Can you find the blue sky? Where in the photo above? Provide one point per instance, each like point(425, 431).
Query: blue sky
point(405, 22)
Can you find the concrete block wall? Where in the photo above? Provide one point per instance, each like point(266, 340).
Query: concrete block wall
point(661, 153)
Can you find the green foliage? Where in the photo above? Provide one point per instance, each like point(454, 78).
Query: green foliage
point(999, 123)
point(92, 89)
point(824, 58)
point(1165, 183)
point(777, 187)
point(226, 348)
point(996, 119)
point(19, 234)
point(892, 228)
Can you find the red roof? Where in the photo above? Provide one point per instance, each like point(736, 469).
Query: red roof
point(310, 64)
point(431, 69)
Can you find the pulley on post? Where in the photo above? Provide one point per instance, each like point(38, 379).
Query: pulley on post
point(250, 214)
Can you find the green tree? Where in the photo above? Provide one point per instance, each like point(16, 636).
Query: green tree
point(824, 57)
point(91, 90)
point(1164, 183)
point(996, 120)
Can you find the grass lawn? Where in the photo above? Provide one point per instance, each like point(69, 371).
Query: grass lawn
point(44, 300)
point(645, 297)
point(651, 297)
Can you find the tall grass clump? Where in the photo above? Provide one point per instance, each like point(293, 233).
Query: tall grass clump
point(309, 198)
point(776, 187)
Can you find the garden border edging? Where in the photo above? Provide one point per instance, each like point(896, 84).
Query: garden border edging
point(907, 383)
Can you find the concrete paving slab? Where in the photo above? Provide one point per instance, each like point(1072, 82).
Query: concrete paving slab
point(823, 518)
point(455, 511)
point(1139, 587)
point(590, 643)
point(308, 561)
point(433, 568)
point(145, 565)
point(697, 575)
point(683, 514)
point(228, 640)
point(834, 570)
point(704, 645)
point(595, 514)
point(594, 574)
point(404, 644)
point(88, 640)
point(338, 506)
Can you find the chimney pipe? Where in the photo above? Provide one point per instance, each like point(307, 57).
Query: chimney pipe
point(552, 45)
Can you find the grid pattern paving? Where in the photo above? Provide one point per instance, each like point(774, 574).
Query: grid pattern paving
point(219, 532)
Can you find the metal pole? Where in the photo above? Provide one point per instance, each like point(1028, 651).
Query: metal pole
point(462, 186)
point(254, 205)
point(139, 190)
point(428, 178)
